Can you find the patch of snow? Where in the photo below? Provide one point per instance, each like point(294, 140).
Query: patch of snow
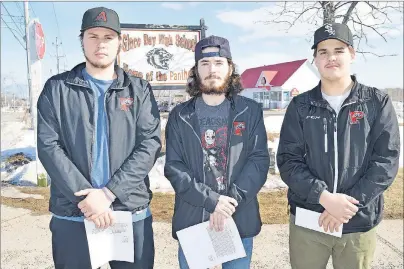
point(398, 106)
point(273, 124)
point(163, 123)
point(15, 138)
point(22, 176)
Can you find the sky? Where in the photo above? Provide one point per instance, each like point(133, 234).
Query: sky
point(253, 43)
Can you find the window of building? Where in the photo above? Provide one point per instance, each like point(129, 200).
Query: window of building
point(276, 96)
point(286, 96)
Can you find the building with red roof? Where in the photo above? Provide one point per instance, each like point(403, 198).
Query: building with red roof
point(275, 85)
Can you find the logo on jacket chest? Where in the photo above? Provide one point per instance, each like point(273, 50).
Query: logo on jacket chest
point(355, 116)
point(125, 103)
point(239, 127)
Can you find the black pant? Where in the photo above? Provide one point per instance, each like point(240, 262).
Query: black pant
point(70, 247)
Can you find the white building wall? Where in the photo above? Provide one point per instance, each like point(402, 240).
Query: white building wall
point(304, 79)
point(249, 92)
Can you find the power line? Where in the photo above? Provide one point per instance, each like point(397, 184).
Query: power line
point(22, 11)
point(32, 9)
point(21, 32)
point(13, 33)
point(61, 41)
point(57, 23)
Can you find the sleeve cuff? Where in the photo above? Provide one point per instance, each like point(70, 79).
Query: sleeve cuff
point(211, 201)
point(315, 193)
point(117, 192)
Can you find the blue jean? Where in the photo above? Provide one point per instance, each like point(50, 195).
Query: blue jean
point(242, 263)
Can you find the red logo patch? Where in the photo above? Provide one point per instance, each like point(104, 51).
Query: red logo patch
point(126, 103)
point(355, 116)
point(239, 126)
point(101, 17)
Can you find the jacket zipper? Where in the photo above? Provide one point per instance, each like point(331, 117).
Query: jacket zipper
point(228, 148)
point(200, 143)
point(336, 147)
point(107, 127)
point(325, 135)
point(93, 129)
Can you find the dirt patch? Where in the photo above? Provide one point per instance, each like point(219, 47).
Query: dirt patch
point(18, 159)
point(393, 198)
point(272, 136)
point(273, 205)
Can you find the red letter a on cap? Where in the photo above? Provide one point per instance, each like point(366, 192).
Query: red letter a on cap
point(101, 17)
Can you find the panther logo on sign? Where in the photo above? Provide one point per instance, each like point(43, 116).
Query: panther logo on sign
point(39, 40)
point(159, 58)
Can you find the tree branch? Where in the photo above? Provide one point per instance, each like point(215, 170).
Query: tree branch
point(349, 12)
point(341, 5)
point(375, 54)
point(369, 26)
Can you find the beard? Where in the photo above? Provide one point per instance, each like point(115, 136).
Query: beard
point(99, 65)
point(211, 89)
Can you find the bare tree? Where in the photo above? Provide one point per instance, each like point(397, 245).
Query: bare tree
point(377, 19)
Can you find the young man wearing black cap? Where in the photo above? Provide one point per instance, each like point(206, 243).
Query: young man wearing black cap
point(338, 152)
point(216, 150)
point(98, 138)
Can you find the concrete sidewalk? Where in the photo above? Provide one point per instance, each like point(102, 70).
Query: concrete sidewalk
point(26, 243)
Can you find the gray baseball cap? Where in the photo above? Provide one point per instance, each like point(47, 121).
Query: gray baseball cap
point(101, 17)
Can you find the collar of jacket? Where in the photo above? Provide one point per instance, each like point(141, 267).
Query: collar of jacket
point(236, 106)
point(316, 97)
point(75, 76)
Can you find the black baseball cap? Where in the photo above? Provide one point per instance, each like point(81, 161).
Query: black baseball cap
point(212, 41)
point(337, 31)
point(101, 17)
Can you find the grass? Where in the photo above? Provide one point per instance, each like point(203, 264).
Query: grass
point(273, 205)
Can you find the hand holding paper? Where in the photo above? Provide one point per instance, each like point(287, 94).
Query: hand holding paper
point(95, 203)
point(226, 206)
point(112, 244)
point(339, 205)
point(329, 222)
point(310, 220)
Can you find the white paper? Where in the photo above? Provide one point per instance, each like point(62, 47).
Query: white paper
point(204, 248)
point(114, 243)
point(309, 219)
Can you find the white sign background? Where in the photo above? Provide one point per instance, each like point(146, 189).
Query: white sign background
point(172, 60)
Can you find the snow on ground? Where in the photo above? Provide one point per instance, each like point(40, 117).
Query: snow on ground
point(16, 138)
point(163, 123)
point(398, 106)
point(273, 124)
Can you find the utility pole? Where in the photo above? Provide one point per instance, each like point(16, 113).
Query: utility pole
point(31, 104)
point(57, 54)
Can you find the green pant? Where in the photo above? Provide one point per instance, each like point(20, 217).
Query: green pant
point(309, 249)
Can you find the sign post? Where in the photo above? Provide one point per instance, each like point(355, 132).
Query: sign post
point(37, 52)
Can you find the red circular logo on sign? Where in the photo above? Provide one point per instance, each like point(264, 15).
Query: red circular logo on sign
point(39, 41)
